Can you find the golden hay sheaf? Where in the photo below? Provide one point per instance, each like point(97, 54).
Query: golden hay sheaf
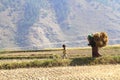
point(101, 39)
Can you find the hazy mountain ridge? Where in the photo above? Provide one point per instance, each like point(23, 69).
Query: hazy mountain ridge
point(34, 23)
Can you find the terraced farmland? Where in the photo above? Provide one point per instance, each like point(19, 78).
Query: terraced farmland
point(81, 72)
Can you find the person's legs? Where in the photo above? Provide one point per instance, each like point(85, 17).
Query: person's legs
point(64, 56)
point(95, 52)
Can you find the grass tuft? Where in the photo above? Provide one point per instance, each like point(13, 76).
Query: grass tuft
point(62, 62)
point(36, 63)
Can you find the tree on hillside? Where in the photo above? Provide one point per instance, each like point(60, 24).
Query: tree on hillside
point(96, 41)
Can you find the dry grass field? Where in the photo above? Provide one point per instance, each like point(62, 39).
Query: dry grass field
point(87, 72)
point(72, 53)
point(97, 72)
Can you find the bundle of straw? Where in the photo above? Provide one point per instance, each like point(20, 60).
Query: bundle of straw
point(101, 39)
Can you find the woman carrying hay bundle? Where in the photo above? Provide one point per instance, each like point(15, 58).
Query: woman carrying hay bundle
point(96, 41)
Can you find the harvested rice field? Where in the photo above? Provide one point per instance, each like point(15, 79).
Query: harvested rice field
point(96, 72)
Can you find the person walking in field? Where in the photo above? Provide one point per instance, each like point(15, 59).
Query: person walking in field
point(64, 51)
point(96, 41)
point(92, 43)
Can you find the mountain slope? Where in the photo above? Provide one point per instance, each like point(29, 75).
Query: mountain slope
point(34, 24)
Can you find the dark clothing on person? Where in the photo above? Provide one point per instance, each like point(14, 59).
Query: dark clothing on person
point(93, 45)
point(91, 41)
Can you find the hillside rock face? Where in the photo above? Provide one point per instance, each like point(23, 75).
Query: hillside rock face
point(35, 24)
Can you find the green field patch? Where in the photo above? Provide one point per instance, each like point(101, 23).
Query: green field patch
point(62, 62)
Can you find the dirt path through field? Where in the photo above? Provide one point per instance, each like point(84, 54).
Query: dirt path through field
point(99, 72)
